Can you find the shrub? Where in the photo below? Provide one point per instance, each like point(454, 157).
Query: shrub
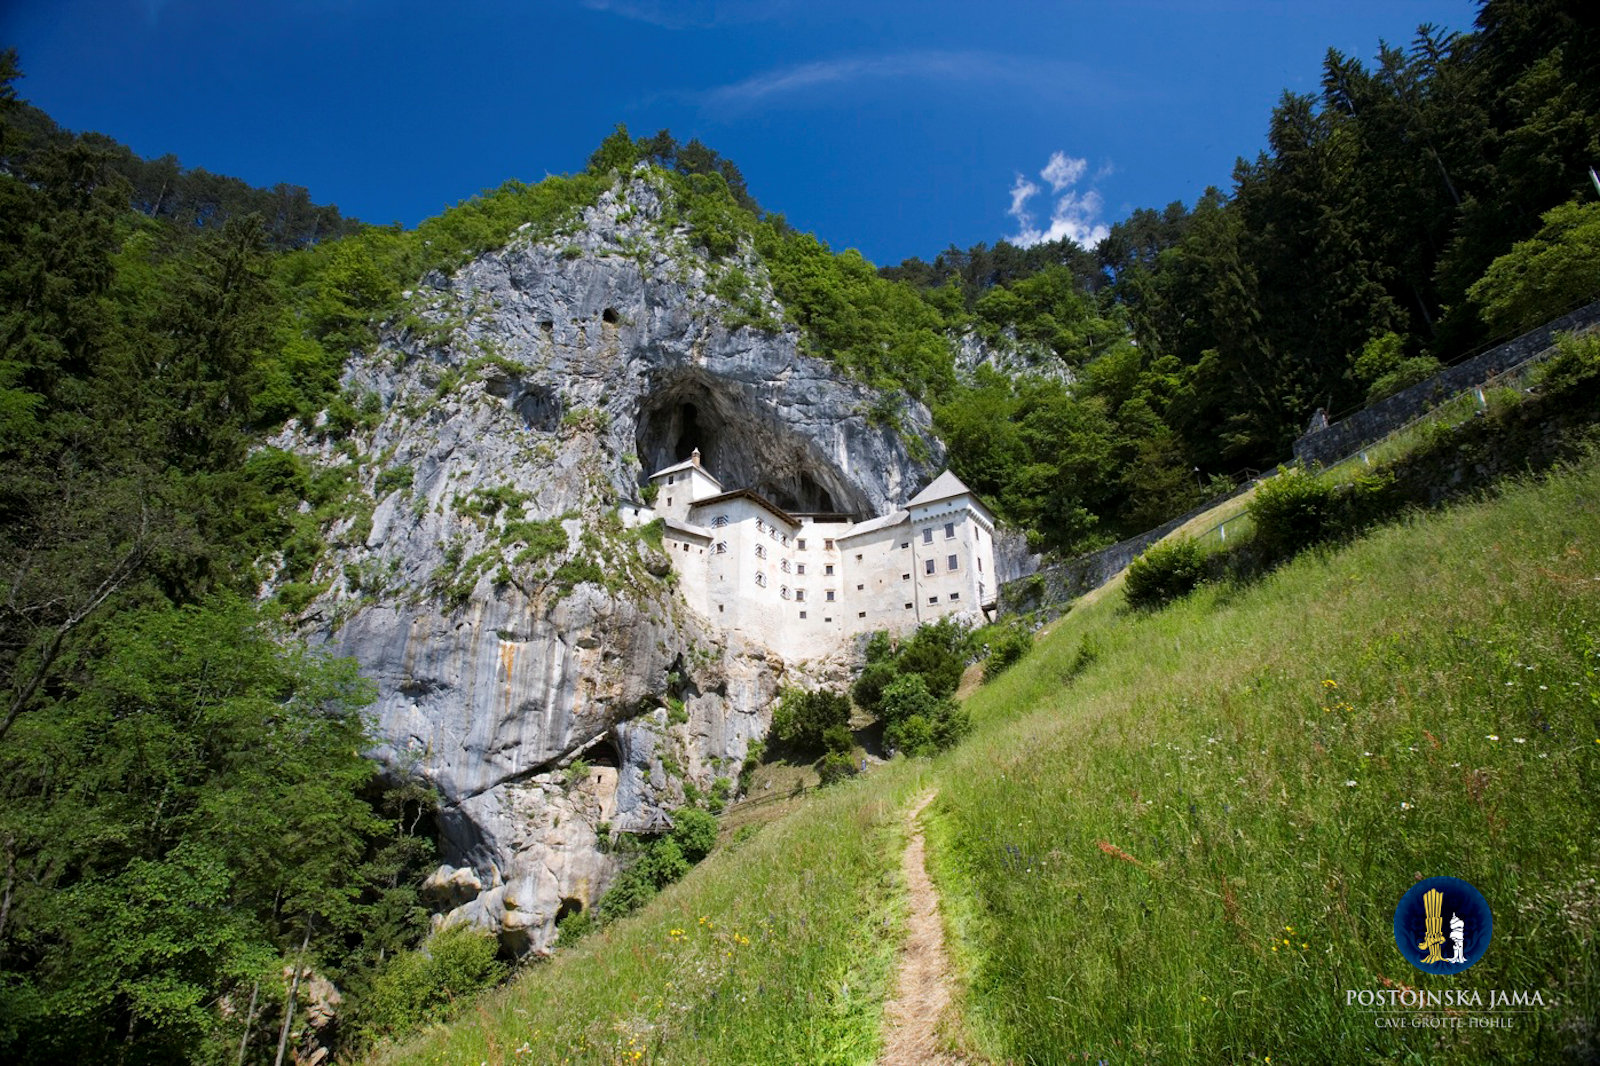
point(914, 736)
point(1164, 573)
point(837, 738)
point(695, 833)
point(868, 689)
point(1292, 512)
point(802, 718)
point(420, 987)
point(836, 766)
point(1011, 644)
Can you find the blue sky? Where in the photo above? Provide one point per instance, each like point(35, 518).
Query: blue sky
point(896, 128)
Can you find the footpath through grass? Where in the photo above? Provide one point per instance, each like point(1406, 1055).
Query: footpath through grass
point(777, 949)
point(1186, 844)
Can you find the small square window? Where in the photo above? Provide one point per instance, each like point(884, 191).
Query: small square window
point(933, 599)
point(905, 577)
point(800, 594)
point(801, 544)
point(827, 571)
point(802, 614)
point(858, 557)
point(927, 565)
point(861, 614)
point(908, 606)
point(905, 544)
point(827, 619)
point(829, 595)
point(860, 587)
point(955, 595)
point(952, 563)
point(799, 568)
point(827, 545)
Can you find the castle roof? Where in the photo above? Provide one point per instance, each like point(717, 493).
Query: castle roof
point(775, 510)
point(893, 518)
point(945, 486)
point(691, 463)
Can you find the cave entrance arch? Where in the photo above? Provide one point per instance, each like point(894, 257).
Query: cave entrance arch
point(742, 445)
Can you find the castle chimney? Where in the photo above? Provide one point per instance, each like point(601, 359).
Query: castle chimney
point(694, 457)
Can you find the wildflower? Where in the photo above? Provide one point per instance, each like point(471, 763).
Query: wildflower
point(1366, 755)
point(1288, 929)
point(1404, 806)
point(1330, 683)
point(1303, 947)
point(1349, 784)
point(1493, 736)
point(1518, 740)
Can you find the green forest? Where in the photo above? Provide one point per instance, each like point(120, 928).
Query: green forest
point(185, 813)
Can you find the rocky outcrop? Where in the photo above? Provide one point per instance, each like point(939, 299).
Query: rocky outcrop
point(489, 579)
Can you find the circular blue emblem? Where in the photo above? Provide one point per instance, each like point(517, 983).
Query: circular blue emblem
point(1442, 925)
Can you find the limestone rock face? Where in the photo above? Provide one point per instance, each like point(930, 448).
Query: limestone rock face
point(491, 574)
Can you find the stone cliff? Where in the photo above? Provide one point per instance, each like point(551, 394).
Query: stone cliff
point(533, 658)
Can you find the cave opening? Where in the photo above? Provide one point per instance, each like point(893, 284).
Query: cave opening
point(602, 753)
point(568, 908)
point(539, 407)
point(741, 444)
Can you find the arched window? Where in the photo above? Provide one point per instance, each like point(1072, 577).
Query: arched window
point(721, 548)
point(785, 565)
point(761, 579)
point(783, 591)
point(761, 551)
point(761, 527)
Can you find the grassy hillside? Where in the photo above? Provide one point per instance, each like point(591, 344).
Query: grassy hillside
point(1175, 837)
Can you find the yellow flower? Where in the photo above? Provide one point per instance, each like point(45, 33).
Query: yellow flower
point(1304, 946)
point(1330, 683)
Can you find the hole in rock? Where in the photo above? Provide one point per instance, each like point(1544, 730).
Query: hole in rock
point(540, 408)
point(741, 444)
point(610, 316)
point(568, 908)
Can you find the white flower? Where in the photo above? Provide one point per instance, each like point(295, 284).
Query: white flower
point(1404, 806)
point(1349, 784)
point(1366, 754)
point(1494, 736)
point(1518, 740)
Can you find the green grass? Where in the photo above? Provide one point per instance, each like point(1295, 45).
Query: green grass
point(778, 949)
point(1212, 748)
point(1155, 852)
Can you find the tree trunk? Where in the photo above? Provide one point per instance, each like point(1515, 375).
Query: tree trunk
point(294, 988)
point(249, 1020)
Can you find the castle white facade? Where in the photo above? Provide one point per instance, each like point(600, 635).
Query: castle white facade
point(806, 584)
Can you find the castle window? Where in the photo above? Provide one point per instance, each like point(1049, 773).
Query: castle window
point(719, 521)
point(784, 591)
point(858, 557)
point(802, 614)
point(800, 595)
point(785, 565)
point(761, 527)
point(828, 570)
point(980, 564)
point(685, 545)
point(933, 599)
point(800, 543)
point(761, 551)
point(905, 577)
point(860, 587)
point(827, 545)
point(955, 595)
point(829, 595)
point(905, 544)
point(949, 530)
point(952, 563)
point(721, 548)
point(927, 566)
point(669, 501)
point(761, 579)
point(799, 568)
point(671, 478)
point(827, 619)
point(908, 606)
point(861, 614)
point(927, 536)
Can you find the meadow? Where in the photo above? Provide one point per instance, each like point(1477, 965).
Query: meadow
point(1175, 836)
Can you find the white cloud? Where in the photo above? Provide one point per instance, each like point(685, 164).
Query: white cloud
point(1074, 214)
point(1044, 79)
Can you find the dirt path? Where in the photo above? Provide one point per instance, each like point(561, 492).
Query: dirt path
point(922, 996)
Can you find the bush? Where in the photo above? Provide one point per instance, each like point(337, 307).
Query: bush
point(1164, 573)
point(837, 738)
point(420, 987)
point(836, 766)
point(695, 833)
point(869, 686)
point(914, 736)
point(802, 717)
point(1292, 512)
point(1011, 644)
